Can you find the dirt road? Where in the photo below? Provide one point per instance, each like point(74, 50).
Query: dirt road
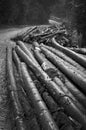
point(5, 35)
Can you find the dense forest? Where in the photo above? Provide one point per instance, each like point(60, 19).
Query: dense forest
point(38, 11)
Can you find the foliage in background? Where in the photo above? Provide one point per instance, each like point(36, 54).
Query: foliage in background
point(38, 11)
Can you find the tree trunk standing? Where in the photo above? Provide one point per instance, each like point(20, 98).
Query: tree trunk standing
point(58, 9)
point(14, 12)
point(25, 6)
point(81, 20)
point(4, 11)
point(36, 13)
point(84, 39)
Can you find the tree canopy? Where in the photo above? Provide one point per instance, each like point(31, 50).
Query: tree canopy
point(38, 11)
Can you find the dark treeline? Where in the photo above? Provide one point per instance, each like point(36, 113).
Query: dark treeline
point(24, 11)
point(38, 11)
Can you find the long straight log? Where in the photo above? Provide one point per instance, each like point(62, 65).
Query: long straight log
point(61, 118)
point(22, 97)
point(22, 34)
point(54, 90)
point(28, 111)
point(69, 94)
point(26, 36)
point(24, 48)
point(81, 60)
point(47, 66)
point(71, 87)
point(35, 67)
point(42, 112)
point(13, 92)
point(17, 62)
point(77, 94)
point(29, 31)
point(66, 58)
point(24, 101)
point(25, 33)
point(74, 76)
point(18, 67)
point(52, 72)
point(52, 35)
point(42, 34)
point(79, 50)
point(54, 109)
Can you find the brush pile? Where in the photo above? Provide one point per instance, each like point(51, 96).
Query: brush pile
point(47, 79)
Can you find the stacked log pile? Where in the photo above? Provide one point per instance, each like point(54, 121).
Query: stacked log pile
point(51, 80)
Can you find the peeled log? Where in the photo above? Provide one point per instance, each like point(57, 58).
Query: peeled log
point(22, 34)
point(13, 92)
point(81, 60)
point(47, 66)
point(71, 87)
point(29, 31)
point(69, 94)
point(60, 117)
point(23, 99)
point(27, 51)
point(76, 92)
point(42, 112)
point(52, 35)
point(52, 72)
point(24, 48)
point(54, 90)
point(28, 111)
point(71, 67)
point(74, 76)
point(57, 112)
point(17, 62)
point(65, 58)
point(25, 37)
point(79, 50)
point(35, 67)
